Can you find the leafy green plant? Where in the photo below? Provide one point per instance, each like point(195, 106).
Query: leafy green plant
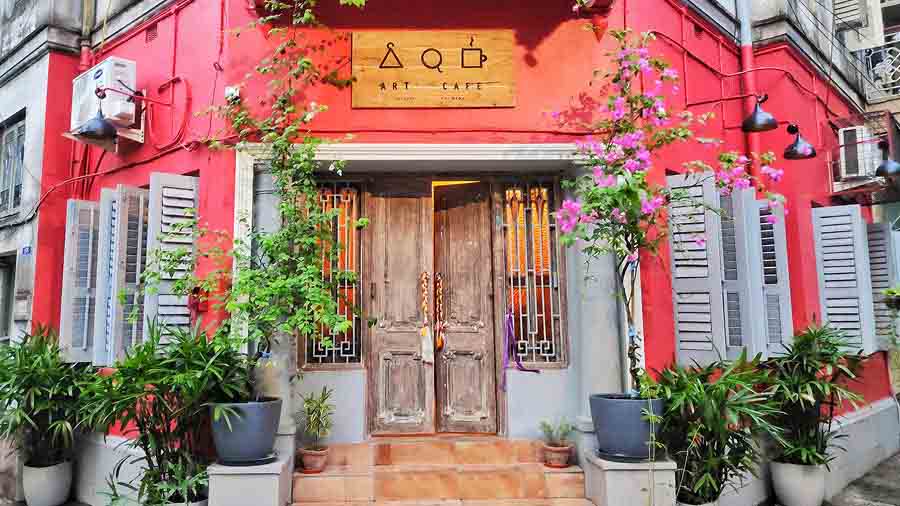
point(317, 417)
point(39, 398)
point(557, 434)
point(158, 395)
point(808, 382)
point(712, 419)
point(893, 291)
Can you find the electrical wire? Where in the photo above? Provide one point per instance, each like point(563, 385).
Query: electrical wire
point(186, 114)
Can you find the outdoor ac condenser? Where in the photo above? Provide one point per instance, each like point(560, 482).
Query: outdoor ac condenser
point(858, 152)
point(114, 73)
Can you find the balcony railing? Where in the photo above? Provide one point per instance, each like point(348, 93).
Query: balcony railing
point(883, 69)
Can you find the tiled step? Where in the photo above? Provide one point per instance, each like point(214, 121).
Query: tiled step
point(438, 471)
point(459, 502)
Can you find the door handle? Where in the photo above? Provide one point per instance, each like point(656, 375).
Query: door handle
point(426, 340)
point(438, 312)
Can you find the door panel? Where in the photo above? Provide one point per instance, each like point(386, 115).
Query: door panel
point(401, 383)
point(465, 380)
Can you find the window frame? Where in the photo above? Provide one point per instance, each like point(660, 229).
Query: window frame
point(17, 172)
point(498, 191)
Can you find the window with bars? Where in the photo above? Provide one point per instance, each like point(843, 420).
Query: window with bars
point(12, 162)
point(330, 349)
point(534, 289)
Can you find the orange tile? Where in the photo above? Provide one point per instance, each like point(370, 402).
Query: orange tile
point(564, 485)
point(485, 452)
point(416, 485)
point(502, 483)
point(309, 488)
point(527, 450)
point(357, 457)
point(534, 485)
point(414, 453)
point(359, 488)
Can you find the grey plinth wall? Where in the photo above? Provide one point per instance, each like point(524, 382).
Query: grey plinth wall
point(609, 483)
point(266, 485)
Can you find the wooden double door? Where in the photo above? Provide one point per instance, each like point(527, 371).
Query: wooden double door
point(428, 256)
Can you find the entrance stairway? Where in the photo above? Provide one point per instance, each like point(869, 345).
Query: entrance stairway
point(440, 471)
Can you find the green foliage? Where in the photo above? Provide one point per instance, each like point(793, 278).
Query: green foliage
point(893, 291)
point(712, 419)
point(557, 434)
point(159, 394)
point(808, 382)
point(39, 398)
point(317, 417)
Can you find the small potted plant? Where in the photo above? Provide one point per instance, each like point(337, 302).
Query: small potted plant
point(808, 384)
point(557, 447)
point(39, 409)
point(710, 427)
point(317, 420)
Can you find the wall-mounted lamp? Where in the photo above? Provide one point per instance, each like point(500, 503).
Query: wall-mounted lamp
point(98, 128)
point(799, 149)
point(759, 120)
point(888, 168)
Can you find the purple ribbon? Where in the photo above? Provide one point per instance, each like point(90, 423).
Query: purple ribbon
point(509, 347)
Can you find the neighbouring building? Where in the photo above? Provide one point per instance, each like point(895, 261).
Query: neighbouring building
point(464, 194)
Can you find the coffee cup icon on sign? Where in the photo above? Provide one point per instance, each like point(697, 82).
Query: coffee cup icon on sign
point(473, 58)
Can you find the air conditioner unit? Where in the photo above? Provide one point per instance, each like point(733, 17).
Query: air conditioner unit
point(859, 152)
point(113, 74)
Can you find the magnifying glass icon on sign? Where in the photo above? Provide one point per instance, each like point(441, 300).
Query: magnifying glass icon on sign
point(433, 66)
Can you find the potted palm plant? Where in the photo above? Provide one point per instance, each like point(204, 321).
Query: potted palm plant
point(317, 419)
point(808, 383)
point(557, 447)
point(710, 427)
point(158, 396)
point(39, 412)
point(617, 212)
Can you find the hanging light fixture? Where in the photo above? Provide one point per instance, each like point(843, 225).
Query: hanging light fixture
point(888, 168)
point(799, 149)
point(759, 120)
point(98, 128)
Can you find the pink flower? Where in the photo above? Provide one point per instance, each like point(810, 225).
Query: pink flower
point(649, 207)
point(632, 257)
point(670, 73)
point(618, 215)
point(772, 219)
point(742, 183)
point(618, 111)
point(632, 165)
point(569, 215)
point(743, 160)
point(700, 241)
point(603, 180)
point(772, 173)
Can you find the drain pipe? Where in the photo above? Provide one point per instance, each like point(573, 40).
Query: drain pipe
point(87, 21)
point(748, 79)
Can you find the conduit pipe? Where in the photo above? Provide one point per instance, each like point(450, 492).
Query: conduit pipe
point(748, 78)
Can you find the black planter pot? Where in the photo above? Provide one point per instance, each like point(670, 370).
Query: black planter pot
point(251, 437)
point(621, 426)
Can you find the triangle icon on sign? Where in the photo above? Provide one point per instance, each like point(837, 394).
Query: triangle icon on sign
point(390, 60)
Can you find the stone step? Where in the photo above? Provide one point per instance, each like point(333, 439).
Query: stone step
point(439, 482)
point(437, 450)
point(458, 502)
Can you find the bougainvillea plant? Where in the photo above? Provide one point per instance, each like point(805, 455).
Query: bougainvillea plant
point(615, 208)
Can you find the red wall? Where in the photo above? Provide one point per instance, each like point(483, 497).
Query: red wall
point(556, 56)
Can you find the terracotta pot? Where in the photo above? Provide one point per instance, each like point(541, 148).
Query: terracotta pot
point(313, 460)
point(557, 456)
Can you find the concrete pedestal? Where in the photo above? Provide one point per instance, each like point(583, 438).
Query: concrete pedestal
point(266, 485)
point(609, 483)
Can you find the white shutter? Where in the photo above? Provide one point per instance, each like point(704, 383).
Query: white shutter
point(173, 202)
point(883, 267)
point(76, 326)
point(740, 277)
point(849, 14)
point(697, 271)
point(776, 282)
point(842, 262)
point(106, 288)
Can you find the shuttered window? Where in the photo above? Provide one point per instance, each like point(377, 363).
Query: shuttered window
point(532, 259)
point(849, 14)
point(171, 239)
point(884, 270)
point(842, 262)
point(76, 327)
point(12, 165)
point(774, 277)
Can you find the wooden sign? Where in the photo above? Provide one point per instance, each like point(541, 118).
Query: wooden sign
point(434, 69)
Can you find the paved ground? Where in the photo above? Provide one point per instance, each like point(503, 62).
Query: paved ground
point(880, 487)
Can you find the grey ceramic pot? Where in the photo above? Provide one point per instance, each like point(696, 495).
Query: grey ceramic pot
point(251, 437)
point(621, 426)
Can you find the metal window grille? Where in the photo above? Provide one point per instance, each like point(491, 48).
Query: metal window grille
point(346, 347)
point(532, 272)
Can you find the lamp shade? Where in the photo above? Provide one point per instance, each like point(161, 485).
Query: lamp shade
point(98, 127)
point(800, 149)
point(888, 168)
point(759, 120)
